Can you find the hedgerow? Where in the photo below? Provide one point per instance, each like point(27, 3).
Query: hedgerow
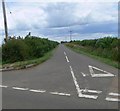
point(106, 47)
point(31, 47)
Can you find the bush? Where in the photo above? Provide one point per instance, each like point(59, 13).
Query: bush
point(106, 47)
point(24, 49)
point(15, 50)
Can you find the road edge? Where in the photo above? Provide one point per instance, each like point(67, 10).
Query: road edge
point(42, 60)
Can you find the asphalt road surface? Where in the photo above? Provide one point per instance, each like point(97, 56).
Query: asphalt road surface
point(66, 81)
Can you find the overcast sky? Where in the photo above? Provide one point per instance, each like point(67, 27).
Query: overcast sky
point(54, 20)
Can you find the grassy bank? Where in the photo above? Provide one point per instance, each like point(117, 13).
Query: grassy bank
point(22, 64)
point(82, 50)
point(23, 52)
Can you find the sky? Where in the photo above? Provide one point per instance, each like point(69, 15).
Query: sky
point(54, 20)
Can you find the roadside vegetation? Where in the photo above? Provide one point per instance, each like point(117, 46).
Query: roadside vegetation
point(105, 49)
point(29, 50)
point(0, 57)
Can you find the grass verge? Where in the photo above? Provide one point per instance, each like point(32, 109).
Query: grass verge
point(22, 64)
point(105, 60)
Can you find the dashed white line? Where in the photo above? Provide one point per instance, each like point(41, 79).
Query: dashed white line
point(61, 94)
point(38, 91)
point(65, 53)
point(88, 96)
point(79, 91)
point(67, 59)
point(2, 86)
point(112, 99)
point(18, 88)
point(91, 91)
point(114, 94)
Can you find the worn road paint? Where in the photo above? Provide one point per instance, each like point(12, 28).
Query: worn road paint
point(61, 94)
point(38, 91)
point(2, 86)
point(18, 88)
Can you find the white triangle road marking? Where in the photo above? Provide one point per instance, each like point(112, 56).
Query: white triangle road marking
point(104, 74)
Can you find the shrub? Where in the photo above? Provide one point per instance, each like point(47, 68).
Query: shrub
point(106, 47)
point(31, 47)
point(15, 50)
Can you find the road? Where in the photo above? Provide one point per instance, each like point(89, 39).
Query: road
point(66, 81)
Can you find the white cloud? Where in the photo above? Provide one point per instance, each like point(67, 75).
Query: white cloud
point(97, 12)
point(63, 1)
point(55, 18)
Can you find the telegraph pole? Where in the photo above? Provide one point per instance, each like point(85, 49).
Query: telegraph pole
point(70, 35)
point(5, 21)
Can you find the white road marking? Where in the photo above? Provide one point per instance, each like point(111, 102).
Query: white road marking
point(65, 53)
point(2, 86)
point(114, 94)
point(91, 91)
point(88, 96)
point(38, 91)
point(99, 75)
point(67, 59)
point(75, 82)
point(84, 75)
point(91, 70)
point(61, 94)
point(79, 91)
point(103, 75)
point(18, 88)
point(112, 99)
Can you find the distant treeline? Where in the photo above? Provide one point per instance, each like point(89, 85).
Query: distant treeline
point(31, 47)
point(106, 47)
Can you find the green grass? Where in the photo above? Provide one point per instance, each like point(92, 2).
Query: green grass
point(37, 61)
point(105, 60)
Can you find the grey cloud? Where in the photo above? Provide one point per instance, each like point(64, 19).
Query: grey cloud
point(63, 15)
point(60, 19)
